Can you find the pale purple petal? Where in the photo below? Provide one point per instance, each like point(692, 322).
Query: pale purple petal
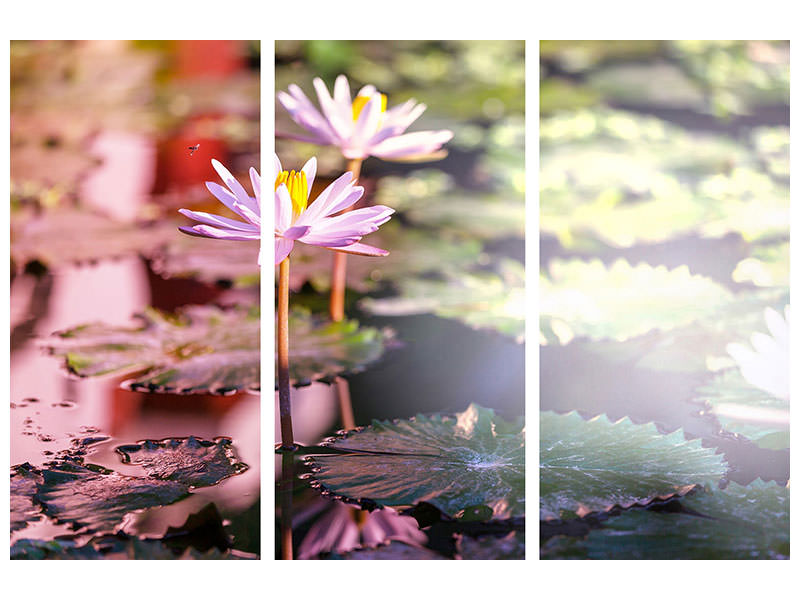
point(330, 196)
point(222, 194)
point(363, 250)
point(341, 93)
point(282, 249)
point(358, 222)
point(255, 180)
point(367, 90)
point(341, 127)
point(276, 165)
point(234, 186)
point(411, 144)
point(295, 233)
point(310, 169)
point(221, 234)
point(304, 113)
point(248, 214)
point(216, 220)
point(283, 209)
point(367, 124)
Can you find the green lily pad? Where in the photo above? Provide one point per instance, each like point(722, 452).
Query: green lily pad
point(203, 349)
point(482, 300)
point(93, 499)
point(322, 350)
point(430, 198)
point(596, 464)
point(50, 238)
point(739, 522)
point(24, 481)
point(215, 262)
point(623, 179)
point(412, 252)
point(747, 410)
point(452, 463)
point(489, 547)
point(191, 461)
point(621, 301)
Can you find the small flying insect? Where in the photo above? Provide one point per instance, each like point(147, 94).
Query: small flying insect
point(193, 149)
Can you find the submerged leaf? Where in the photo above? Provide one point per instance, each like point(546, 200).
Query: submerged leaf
point(320, 351)
point(739, 522)
point(450, 462)
point(203, 350)
point(594, 465)
point(191, 461)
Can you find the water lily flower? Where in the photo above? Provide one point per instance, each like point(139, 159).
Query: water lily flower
point(361, 126)
point(766, 366)
point(297, 221)
point(235, 198)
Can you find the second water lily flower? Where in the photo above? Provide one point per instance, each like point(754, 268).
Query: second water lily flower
point(297, 221)
point(361, 126)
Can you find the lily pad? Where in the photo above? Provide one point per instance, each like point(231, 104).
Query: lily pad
point(452, 463)
point(24, 481)
point(621, 301)
point(596, 464)
point(482, 300)
point(204, 349)
point(413, 252)
point(220, 262)
point(62, 236)
point(430, 198)
point(93, 499)
point(623, 179)
point(739, 522)
point(191, 461)
point(746, 410)
point(322, 350)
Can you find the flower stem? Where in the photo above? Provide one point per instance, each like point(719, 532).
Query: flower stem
point(287, 437)
point(284, 400)
point(339, 272)
point(336, 310)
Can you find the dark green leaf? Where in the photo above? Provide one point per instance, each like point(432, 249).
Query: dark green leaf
point(594, 465)
point(450, 462)
point(191, 461)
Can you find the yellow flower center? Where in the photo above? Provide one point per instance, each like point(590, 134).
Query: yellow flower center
point(361, 101)
point(298, 189)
